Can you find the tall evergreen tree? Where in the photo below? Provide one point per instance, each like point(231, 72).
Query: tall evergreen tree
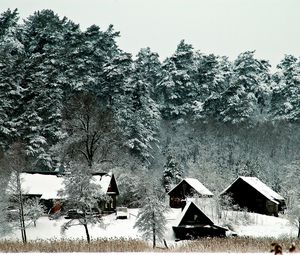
point(11, 75)
point(213, 75)
point(151, 220)
point(172, 173)
point(42, 36)
point(140, 114)
point(244, 100)
point(285, 101)
point(177, 90)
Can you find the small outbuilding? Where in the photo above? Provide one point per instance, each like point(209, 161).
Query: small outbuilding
point(109, 186)
point(252, 194)
point(193, 223)
point(187, 188)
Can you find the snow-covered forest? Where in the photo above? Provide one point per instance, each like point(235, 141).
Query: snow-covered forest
point(69, 97)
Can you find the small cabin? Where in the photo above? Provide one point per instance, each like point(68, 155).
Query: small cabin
point(46, 187)
point(193, 223)
point(109, 186)
point(252, 194)
point(187, 188)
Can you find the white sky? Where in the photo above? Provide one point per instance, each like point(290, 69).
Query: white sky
point(223, 27)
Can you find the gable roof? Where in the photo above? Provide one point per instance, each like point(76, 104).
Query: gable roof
point(107, 182)
point(47, 186)
point(189, 207)
point(44, 185)
point(261, 187)
point(196, 185)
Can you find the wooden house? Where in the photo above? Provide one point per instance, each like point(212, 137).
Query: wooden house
point(193, 223)
point(46, 186)
point(109, 186)
point(187, 188)
point(253, 195)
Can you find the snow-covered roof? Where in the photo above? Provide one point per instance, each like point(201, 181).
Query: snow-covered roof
point(185, 209)
point(103, 181)
point(260, 187)
point(48, 186)
point(197, 185)
point(41, 184)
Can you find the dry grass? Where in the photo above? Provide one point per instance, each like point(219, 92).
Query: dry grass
point(234, 244)
point(237, 244)
point(101, 245)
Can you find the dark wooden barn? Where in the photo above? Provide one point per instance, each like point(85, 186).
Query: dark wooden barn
point(187, 188)
point(253, 195)
point(193, 224)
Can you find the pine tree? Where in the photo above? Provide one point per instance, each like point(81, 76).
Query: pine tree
point(139, 115)
point(11, 91)
point(285, 100)
point(42, 36)
point(177, 89)
point(212, 76)
point(244, 100)
point(97, 51)
point(86, 57)
point(151, 220)
point(172, 173)
point(116, 73)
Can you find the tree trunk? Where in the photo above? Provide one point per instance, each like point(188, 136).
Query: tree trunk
point(299, 228)
point(23, 223)
point(153, 231)
point(21, 210)
point(87, 233)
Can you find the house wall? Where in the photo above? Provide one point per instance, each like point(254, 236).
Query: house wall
point(246, 197)
point(110, 206)
point(272, 208)
point(177, 202)
point(188, 233)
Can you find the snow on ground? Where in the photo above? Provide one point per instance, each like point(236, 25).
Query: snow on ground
point(258, 225)
point(244, 224)
point(51, 229)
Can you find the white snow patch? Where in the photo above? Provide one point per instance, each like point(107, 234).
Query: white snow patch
point(256, 225)
point(110, 227)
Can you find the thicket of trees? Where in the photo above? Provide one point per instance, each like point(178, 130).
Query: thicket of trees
point(69, 95)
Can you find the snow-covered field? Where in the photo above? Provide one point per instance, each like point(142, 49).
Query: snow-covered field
point(257, 226)
point(51, 229)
